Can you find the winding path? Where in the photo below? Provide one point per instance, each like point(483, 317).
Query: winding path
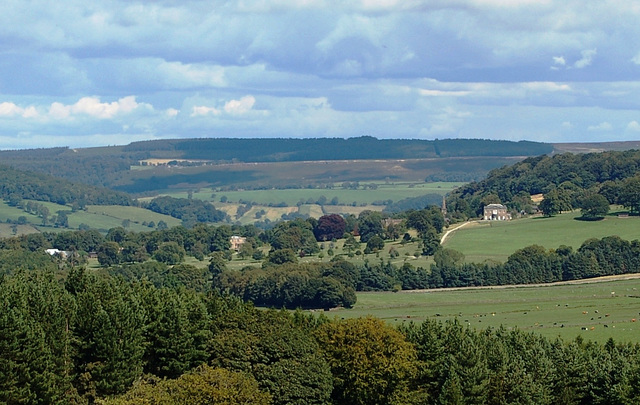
point(446, 234)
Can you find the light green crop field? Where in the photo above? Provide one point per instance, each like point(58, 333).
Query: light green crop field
point(9, 230)
point(392, 191)
point(596, 311)
point(116, 214)
point(96, 216)
point(496, 240)
point(7, 212)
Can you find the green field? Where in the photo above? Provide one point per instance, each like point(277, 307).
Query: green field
point(100, 217)
point(496, 240)
point(303, 200)
point(291, 197)
point(543, 309)
point(116, 214)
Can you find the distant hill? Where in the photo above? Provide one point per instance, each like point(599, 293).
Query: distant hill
point(119, 167)
point(590, 147)
point(313, 149)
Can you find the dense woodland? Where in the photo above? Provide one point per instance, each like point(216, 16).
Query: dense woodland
point(534, 264)
point(90, 339)
point(189, 210)
point(17, 185)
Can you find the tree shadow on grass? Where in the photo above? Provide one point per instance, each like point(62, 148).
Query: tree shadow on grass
point(588, 219)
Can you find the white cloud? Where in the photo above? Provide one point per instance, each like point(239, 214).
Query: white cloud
point(384, 67)
point(603, 126)
point(239, 107)
point(179, 75)
point(558, 61)
point(93, 107)
point(232, 107)
point(587, 58)
point(633, 126)
point(8, 109)
point(204, 110)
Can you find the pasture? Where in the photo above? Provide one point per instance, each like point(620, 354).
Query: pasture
point(343, 196)
point(496, 240)
point(116, 214)
point(99, 217)
point(594, 310)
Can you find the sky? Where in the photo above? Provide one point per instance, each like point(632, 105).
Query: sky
point(83, 73)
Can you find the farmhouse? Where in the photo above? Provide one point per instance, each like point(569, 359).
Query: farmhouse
point(237, 241)
point(62, 253)
point(496, 212)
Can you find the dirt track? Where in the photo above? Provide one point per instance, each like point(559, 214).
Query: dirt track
point(446, 234)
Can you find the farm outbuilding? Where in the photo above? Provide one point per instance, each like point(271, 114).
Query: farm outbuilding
point(496, 212)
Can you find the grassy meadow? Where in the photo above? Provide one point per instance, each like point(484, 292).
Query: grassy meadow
point(345, 196)
point(100, 217)
point(584, 309)
point(496, 240)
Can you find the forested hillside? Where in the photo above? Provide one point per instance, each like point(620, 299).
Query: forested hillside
point(564, 179)
point(365, 147)
point(16, 185)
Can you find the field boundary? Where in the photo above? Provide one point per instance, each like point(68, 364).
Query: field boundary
point(603, 279)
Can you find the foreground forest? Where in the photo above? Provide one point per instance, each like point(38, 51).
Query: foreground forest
point(104, 340)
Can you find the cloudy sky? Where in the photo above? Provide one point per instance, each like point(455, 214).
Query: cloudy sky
point(88, 73)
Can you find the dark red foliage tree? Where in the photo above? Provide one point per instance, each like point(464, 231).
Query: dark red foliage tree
point(329, 227)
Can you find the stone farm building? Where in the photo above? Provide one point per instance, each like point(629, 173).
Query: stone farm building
point(237, 242)
point(496, 212)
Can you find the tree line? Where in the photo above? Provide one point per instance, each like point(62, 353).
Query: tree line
point(361, 147)
point(281, 280)
point(100, 339)
point(534, 264)
point(188, 210)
